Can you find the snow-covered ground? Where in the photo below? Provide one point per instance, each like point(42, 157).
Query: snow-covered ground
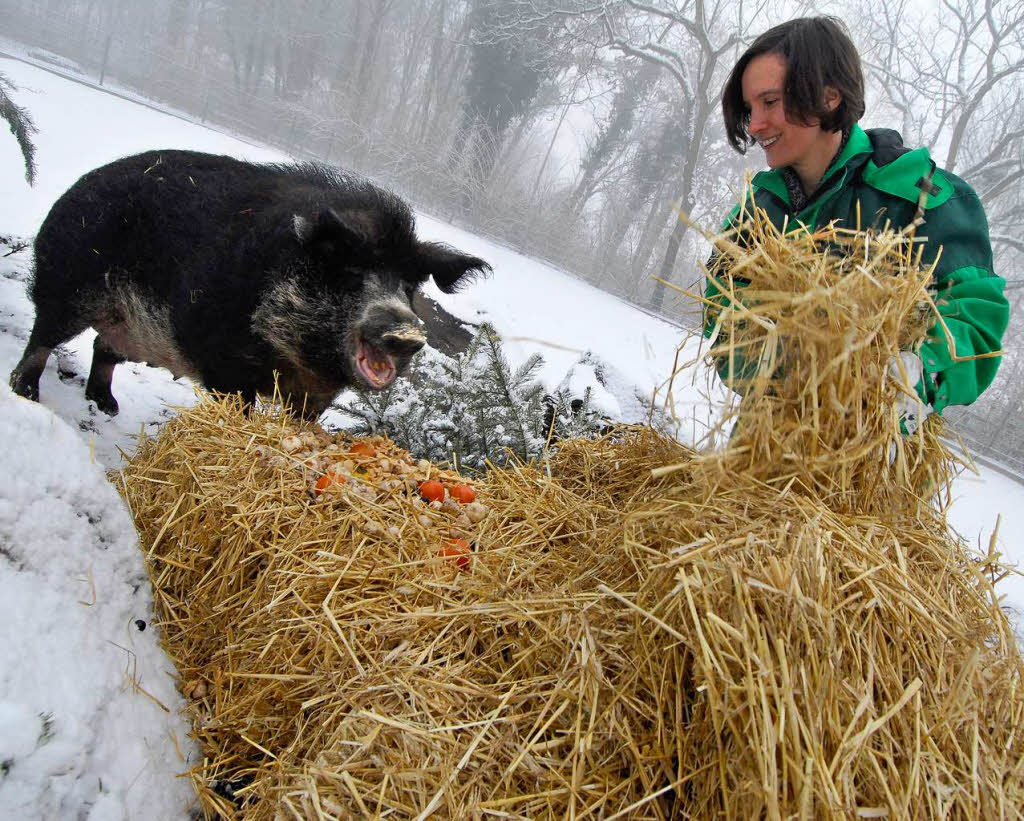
point(88, 713)
point(79, 736)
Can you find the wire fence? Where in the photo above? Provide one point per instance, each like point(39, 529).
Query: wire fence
point(417, 170)
point(992, 432)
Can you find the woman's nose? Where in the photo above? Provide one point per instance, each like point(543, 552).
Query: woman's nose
point(757, 122)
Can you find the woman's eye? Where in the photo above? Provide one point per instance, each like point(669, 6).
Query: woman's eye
point(770, 103)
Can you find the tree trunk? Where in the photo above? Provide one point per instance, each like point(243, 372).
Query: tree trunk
point(694, 152)
point(369, 55)
point(343, 74)
point(432, 79)
point(653, 226)
point(413, 59)
point(452, 69)
point(551, 144)
point(177, 21)
point(675, 242)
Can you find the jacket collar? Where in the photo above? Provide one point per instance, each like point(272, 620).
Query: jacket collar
point(904, 176)
point(857, 146)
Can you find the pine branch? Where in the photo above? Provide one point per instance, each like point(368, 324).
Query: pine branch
point(502, 380)
point(528, 369)
point(22, 126)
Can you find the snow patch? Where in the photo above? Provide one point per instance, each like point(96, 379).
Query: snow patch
point(77, 738)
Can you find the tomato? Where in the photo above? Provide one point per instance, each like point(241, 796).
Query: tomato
point(363, 449)
point(459, 550)
point(327, 480)
point(463, 494)
point(432, 490)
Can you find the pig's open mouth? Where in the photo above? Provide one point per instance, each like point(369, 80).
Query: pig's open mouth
point(374, 365)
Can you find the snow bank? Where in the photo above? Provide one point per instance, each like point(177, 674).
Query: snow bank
point(78, 738)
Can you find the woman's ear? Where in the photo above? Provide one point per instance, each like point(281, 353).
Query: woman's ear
point(832, 98)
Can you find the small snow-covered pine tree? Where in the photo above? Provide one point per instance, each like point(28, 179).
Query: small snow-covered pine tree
point(507, 403)
point(471, 409)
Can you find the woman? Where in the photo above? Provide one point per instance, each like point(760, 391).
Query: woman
point(798, 92)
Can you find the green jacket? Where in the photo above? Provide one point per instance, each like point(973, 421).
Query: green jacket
point(876, 170)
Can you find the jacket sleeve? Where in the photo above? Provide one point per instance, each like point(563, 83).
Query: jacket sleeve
point(731, 366)
point(713, 291)
point(970, 299)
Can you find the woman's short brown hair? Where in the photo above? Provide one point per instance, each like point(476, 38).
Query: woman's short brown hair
point(819, 53)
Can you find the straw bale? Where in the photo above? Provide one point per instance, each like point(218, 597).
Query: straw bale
point(758, 632)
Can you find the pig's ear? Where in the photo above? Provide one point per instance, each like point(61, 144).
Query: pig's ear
point(333, 228)
point(450, 269)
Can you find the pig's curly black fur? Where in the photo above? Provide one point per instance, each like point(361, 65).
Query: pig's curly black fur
point(185, 260)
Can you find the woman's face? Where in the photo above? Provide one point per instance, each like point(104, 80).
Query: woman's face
point(784, 143)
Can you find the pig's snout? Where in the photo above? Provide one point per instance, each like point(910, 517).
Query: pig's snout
point(388, 337)
point(404, 341)
point(395, 330)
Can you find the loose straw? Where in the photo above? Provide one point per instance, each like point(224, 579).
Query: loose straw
point(784, 628)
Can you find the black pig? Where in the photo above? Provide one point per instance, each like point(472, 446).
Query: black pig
point(227, 271)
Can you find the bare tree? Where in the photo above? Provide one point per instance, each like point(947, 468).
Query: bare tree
point(955, 80)
point(637, 78)
point(694, 62)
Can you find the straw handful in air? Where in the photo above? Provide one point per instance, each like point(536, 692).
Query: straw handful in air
point(806, 324)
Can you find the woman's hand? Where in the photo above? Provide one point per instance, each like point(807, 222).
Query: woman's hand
point(907, 370)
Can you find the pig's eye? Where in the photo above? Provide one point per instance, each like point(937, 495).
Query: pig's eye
point(351, 280)
point(409, 290)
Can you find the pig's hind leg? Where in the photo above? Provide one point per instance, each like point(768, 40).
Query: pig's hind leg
point(104, 360)
point(25, 376)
